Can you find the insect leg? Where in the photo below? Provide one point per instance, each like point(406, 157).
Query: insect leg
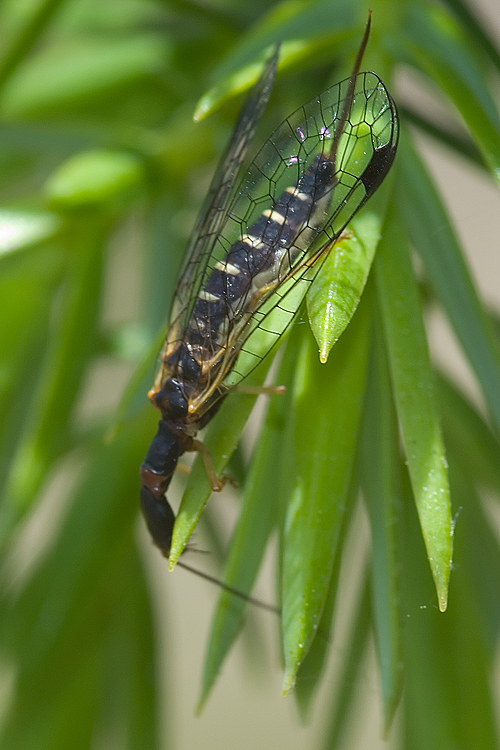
point(259, 390)
point(216, 483)
point(183, 469)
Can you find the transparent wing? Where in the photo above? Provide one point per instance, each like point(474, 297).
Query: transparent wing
point(364, 147)
point(213, 213)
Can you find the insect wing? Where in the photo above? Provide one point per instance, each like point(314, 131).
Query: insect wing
point(213, 213)
point(365, 148)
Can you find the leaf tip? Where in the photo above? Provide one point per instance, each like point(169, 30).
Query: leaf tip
point(290, 677)
point(172, 560)
point(201, 702)
point(202, 110)
point(443, 600)
point(323, 355)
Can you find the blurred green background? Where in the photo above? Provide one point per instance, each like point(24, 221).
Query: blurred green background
point(102, 173)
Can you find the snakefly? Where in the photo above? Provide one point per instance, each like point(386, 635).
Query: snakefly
point(253, 253)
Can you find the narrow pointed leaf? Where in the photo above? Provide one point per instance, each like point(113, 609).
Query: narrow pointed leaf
point(433, 237)
point(62, 370)
point(28, 282)
point(315, 662)
point(441, 49)
point(67, 626)
point(20, 229)
point(474, 444)
point(413, 386)
point(320, 449)
point(257, 518)
point(460, 144)
point(482, 39)
point(90, 179)
point(296, 26)
point(235, 84)
point(221, 440)
point(306, 26)
point(336, 291)
point(441, 708)
point(379, 456)
point(481, 549)
point(341, 711)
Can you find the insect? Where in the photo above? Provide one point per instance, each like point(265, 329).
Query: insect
point(253, 253)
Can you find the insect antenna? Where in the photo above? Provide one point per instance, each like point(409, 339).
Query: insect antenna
point(230, 589)
point(160, 521)
point(350, 91)
point(236, 592)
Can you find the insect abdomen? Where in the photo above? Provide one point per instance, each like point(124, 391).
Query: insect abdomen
point(161, 459)
point(259, 258)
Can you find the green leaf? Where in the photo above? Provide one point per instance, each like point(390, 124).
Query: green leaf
point(340, 712)
point(379, 451)
point(28, 282)
point(46, 433)
point(76, 71)
point(20, 229)
point(221, 440)
point(319, 451)
point(85, 605)
point(134, 395)
point(315, 661)
point(482, 40)
point(25, 38)
point(475, 445)
point(303, 29)
point(80, 647)
point(336, 290)
point(231, 86)
point(460, 144)
point(433, 237)
point(257, 518)
point(92, 178)
point(480, 547)
point(413, 386)
point(439, 650)
point(441, 49)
